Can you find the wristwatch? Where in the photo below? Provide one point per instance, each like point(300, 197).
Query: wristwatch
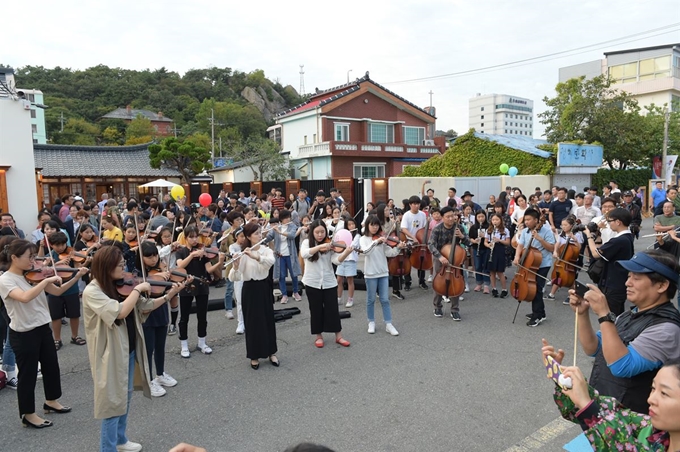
point(610, 317)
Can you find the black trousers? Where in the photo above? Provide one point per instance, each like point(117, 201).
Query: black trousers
point(30, 348)
point(201, 315)
point(154, 337)
point(537, 305)
point(323, 307)
point(421, 278)
point(396, 283)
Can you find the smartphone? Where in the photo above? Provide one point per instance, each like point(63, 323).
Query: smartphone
point(580, 288)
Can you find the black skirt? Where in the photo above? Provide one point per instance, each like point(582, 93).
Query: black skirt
point(257, 302)
point(498, 258)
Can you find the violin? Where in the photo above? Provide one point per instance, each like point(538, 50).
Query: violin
point(127, 284)
point(422, 258)
point(39, 273)
point(564, 273)
point(400, 264)
point(390, 240)
point(336, 247)
point(523, 286)
point(179, 276)
point(75, 256)
point(133, 243)
point(209, 252)
point(450, 281)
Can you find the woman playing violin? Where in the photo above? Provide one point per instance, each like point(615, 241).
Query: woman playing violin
point(388, 222)
point(30, 334)
point(166, 252)
point(376, 273)
point(116, 345)
point(156, 325)
point(68, 303)
point(192, 258)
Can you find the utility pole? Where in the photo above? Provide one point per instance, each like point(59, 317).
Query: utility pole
point(348, 76)
point(302, 80)
point(212, 132)
point(664, 156)
point(62, 121)
point(430, 93)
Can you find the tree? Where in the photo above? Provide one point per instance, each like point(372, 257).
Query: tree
point(140, 130)
point(449, 134)
point(264, 158)
point(185, 157)
point(111, 136)
point(593, 112)
point(79, 132)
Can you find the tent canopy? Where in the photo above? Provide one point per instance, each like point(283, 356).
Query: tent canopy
point(159, 183)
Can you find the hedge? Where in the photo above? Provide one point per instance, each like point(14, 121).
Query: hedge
point(470, 156)
point(626, 179)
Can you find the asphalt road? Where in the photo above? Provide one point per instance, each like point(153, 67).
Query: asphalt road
point(475, 385)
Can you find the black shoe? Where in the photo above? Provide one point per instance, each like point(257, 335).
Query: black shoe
point(274, 363)
point(407, 287)
point(438, 312)
point(396, 294)
point(456, 316)
point(535, 321)
point(529, 316)
point(62, 410)
point(504, 294)
point(28, 423)
point(255, 366)
point(423, 286)
point(58, 345)
point(64, 322)
point(494, 293)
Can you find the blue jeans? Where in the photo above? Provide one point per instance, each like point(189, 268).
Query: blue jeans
point(9, 362)
point(285, 265)
point(381, 287)
point(113, 428)
point(481, 264)
point(229, 295)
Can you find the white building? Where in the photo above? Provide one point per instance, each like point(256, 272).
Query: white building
point(35, 97)
point(650, 74)
point(502, 114)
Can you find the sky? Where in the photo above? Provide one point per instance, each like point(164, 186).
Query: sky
point(394, 40)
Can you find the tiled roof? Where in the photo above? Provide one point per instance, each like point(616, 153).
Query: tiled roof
point(124, 113)
point(322, 98)
point(524, 144)
point(95, 161)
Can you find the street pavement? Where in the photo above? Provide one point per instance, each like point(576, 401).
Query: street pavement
point(474, 385)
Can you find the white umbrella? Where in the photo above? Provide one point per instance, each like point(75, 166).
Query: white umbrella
point(159, 183)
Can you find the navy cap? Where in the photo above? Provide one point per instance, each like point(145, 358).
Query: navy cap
point(643, 263)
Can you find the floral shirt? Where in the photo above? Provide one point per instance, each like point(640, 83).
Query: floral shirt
point(609, 426)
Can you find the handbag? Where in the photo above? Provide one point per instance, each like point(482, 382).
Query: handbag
point(595, 270)
point(3, 379)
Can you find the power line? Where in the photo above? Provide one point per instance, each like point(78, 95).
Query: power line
point(547, 57)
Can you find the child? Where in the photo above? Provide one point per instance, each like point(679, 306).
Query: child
point(235, 248)
point(68, 303)
point(285, 251)
point(479, 251)
point(561, 238)
point(302, 233)
point(348, 267)
point(496, 239)
point(166, 252)
point(376, 273)
point(155, 327)
point(435, 219)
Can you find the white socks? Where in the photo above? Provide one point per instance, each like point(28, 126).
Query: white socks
point(201, 342)
point(185, 345)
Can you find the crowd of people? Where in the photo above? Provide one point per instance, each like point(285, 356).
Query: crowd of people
point(138, 268)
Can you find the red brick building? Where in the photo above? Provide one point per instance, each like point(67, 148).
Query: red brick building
point(162, 124)
point(357, 130)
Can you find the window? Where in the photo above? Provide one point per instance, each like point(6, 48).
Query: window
point(35, 141)
point(31, 97)
point(414, 135)
point(32, 113)
point(482, 124)
point(305, 139)
point(341, 131)
point(34, 128)
point(506, 130)
point(482, 108)
point(482, 116)
point(655, 68)
point(381, 133)
point(624, 73)
point(368, 171)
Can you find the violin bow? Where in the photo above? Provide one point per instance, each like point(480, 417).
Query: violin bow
point(139, 249)
point(49, 248)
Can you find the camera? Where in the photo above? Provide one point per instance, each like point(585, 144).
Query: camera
point(593, 228)
point(578, 228)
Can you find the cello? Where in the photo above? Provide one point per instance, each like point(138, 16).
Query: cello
point(449, 281)
point(523, 286)
point(564, 273)
point(400, 264)
point(421, 259)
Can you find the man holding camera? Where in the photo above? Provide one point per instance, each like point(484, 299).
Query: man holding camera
point(620, 247)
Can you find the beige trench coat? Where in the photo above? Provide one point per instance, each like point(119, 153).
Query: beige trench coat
point(108, 349)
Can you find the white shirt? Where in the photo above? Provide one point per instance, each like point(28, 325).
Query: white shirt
point(375, 263)
point(518, 215)
point(23, 316)
point(250, 269)
point(413, 222)
point(606, 233)
point(319, 274)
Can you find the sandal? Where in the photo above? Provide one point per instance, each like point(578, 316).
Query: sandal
point(319, 343)
point(478, 288)
point(58, 345)
point(78, 340)
point(343, 342)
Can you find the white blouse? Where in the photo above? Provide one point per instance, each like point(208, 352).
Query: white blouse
point(319, 274)
point(250, 269)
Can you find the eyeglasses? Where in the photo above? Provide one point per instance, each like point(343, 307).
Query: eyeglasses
point(121, 265)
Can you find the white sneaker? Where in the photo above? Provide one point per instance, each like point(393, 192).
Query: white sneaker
point(240, 329)
point(446, 299)
point(467, 288)
point(229, 315)
point(277, 292)
point(185, 353)
point(391, 329)
point(166, 380)
point(350, 303)
point(156, 390)
point(296, 296)
point(129, 447)
point(429, 278)
point(339, 301)
point(460, 299)
point(284, 299)
point(205, 349)
point(371, 327)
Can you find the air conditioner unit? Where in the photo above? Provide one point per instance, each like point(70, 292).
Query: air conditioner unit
point(428, 143)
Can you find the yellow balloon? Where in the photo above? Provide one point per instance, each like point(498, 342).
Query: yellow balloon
point(177, 192)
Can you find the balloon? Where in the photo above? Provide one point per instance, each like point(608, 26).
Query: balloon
point(343, 236)
point(177, 192)
point(512, 171)
point(504, 168)
point(205, 199)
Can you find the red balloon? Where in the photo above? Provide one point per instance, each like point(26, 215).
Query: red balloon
point(205, 199)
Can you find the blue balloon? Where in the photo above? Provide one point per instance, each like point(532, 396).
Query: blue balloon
point(512, 171)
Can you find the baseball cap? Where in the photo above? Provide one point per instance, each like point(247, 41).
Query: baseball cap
point(643, 263)
point(627, 193)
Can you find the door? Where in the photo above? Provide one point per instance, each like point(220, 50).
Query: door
point(101, 189)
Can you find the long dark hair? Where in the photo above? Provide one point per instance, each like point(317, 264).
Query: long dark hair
point(372, 219)
point(103, 264)
point(82, 228)
point(8, 249)
point(248, 230)
point(148, 249)
point(312, 240)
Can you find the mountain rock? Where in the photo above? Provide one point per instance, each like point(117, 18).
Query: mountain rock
point(268, 102)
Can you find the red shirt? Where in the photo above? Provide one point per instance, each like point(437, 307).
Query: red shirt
point(278, 202)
